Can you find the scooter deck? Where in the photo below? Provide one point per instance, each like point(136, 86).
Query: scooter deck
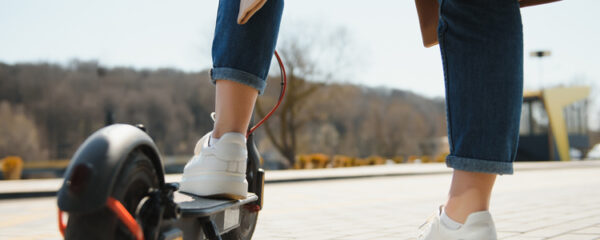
point(195, 206)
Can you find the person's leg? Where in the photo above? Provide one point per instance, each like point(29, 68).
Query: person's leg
point(234, 103)
point(241, 58)
point(481, 43)
point(470, 192)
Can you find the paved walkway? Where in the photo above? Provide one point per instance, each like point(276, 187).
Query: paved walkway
point(548, 203)
point(48, 187)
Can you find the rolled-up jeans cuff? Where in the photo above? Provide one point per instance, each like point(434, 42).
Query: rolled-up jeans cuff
point(479, 165)
point(232, 74)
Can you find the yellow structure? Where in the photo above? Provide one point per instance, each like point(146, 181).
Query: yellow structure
point(555, 101)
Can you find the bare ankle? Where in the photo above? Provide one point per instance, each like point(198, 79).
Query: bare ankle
point(470, 192)
point(218, 132)
point(460, 209)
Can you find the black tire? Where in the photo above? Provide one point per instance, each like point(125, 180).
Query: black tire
point(136, 178)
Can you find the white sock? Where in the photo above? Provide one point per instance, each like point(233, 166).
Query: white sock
point(212, 141)
point(448, 222)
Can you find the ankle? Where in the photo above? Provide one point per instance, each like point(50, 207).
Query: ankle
point(218, 132)
point(470, 192)
point(449, 222)
point(459, 210)
point(457, 214)
point(212, 140)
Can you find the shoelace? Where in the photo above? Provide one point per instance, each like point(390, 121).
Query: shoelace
point(424, 228)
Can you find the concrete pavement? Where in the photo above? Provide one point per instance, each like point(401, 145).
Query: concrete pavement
point(553, 202)
point(49, 187)
point(549, 204)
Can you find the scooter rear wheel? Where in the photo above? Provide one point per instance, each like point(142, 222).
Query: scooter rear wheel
point(245, 231)
point(135, 180)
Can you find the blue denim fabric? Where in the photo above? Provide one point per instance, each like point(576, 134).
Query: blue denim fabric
point(481, 42)
point(243, 53)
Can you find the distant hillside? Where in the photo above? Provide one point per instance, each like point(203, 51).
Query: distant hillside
point(47, 110)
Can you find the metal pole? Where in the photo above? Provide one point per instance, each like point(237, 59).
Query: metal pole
point(540, 54)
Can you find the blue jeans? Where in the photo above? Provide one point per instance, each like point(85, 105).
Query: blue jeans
point(243, 53)
point(481, 43)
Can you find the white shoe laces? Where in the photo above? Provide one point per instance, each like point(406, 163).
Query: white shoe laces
point(424, 228)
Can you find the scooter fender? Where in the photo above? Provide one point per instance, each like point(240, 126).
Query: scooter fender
point(93, 170)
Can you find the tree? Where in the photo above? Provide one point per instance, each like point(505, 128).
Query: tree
point(62, 105)
point(304, 58)
point(18, 134)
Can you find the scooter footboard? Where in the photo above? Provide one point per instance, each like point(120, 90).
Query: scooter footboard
point(207, 217)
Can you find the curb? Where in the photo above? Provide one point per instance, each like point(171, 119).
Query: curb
point(19, 195)
point(289, 176)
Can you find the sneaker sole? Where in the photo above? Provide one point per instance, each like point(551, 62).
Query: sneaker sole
point(216, 185)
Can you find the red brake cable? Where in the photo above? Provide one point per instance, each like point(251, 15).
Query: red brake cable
point(120, 210)
point(61, 224)
point(283, 86)
point(125, 217)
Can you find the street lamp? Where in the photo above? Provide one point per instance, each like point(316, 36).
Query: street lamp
point(540, 54)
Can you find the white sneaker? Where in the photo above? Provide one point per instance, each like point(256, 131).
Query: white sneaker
point(218, 170)
point(479, 226)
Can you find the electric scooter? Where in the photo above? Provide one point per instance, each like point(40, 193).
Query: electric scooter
point(115, 188)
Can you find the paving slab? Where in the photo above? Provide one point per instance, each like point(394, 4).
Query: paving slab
point(545, 203)
point(48, 187)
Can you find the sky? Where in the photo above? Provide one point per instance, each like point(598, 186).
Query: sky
point(156, 34)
